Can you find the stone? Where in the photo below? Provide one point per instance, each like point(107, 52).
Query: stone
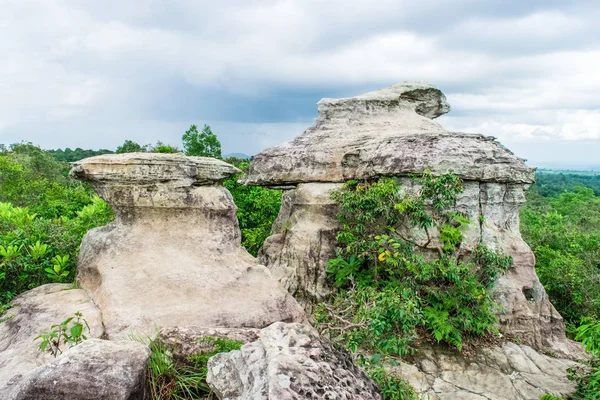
point(32, 313)
point(384, 133)
point(185, 341)
point(389, 132)
point(289, 361)
point(302, 240)
point(172, 257)
point(93, 370)
point(501, 372)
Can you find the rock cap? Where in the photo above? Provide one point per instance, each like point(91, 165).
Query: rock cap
point(148, 168)
point(388, 132)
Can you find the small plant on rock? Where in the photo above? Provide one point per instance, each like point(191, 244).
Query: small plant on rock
point(69, 333)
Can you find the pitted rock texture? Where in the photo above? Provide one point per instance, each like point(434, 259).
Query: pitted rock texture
point(173, 257)
point(385, 133)
point(93, 370)
point(32, 313)
point(289, 361)
point(506, 372)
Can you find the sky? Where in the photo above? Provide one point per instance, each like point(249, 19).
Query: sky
point(91, 74)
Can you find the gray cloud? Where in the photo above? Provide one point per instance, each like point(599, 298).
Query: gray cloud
point(93, 73)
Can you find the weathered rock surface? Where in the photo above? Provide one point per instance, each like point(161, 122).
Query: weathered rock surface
point(289, 361)
point(507, 372)
point(172, 257)
point(185, 341)
point(385, 133)
point(302, 240)
point(34, 312)
point(93, 370)
point(389, 133)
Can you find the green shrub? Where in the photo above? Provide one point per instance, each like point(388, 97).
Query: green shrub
point(388, 293)
point(36, 250)
point(257, 208)
point(588, 376)
point(175, 379)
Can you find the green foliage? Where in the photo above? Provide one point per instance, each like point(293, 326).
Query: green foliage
point(183, 379)
point(42, 219)
point(564, 234)
point(551, 183)
point(70, 332)
point(129, 146)
point(257, 208)
point(588, 376)
point(69, 155)
point(392, 387)
point(388, 292)
point(205, 144)
point(36, 250)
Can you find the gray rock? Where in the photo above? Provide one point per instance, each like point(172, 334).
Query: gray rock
point(289, 361)
point(173, 257)
point(32, 313)
point(93, 370)
point(148, 168)
point(302, 240)
point(505, 372)
point(384, 133)
point(185, 341)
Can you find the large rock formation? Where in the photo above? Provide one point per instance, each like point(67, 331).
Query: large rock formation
point(289, 361)
point(172, 257)
point(389, 133)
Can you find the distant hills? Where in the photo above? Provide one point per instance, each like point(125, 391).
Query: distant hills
point(237, 155)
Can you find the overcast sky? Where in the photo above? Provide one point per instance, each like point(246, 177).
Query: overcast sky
point(91, 73)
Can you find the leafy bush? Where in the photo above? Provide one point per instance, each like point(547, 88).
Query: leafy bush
point(257, 208)
point(36, 250)
point(175, 379)
point(389, 294)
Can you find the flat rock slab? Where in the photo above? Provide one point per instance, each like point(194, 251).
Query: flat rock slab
point(144, 168)
point(289, 361)
point(507, 372)
point(34, 312)
point(93, 370)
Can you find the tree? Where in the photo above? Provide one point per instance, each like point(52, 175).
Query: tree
point(129, 146)
point(204, 144)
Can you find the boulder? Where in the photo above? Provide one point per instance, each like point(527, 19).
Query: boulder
point(389, 132)
point(93, 370)
point(501, 372)
point(172, 257)
point(32, 313)
point(289, 361)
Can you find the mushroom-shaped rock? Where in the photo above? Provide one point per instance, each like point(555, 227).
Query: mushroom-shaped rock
point(387, 132)
point(172, 257)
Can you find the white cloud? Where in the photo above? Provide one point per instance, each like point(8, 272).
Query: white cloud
point(87, 71)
